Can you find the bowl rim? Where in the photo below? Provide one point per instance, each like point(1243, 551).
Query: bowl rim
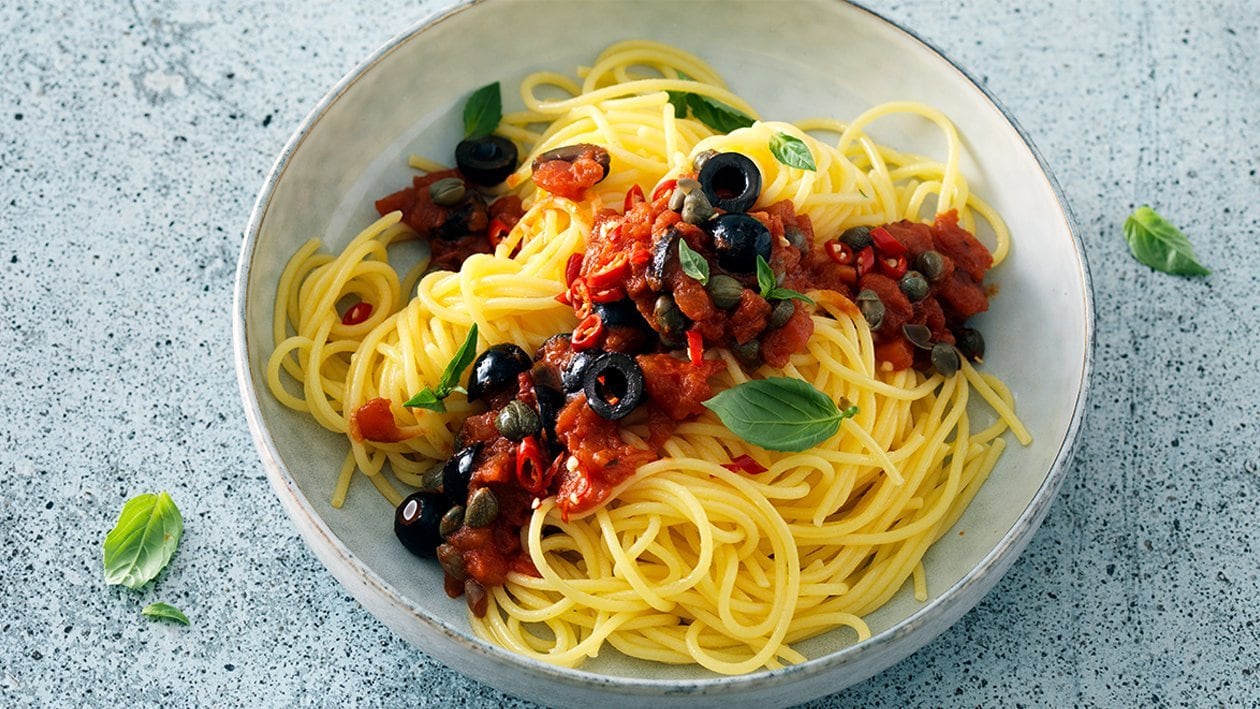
point(299, 508)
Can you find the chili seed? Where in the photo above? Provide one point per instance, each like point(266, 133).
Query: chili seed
point(858, 237)
point(872, 310)
point(782, 312)
point(914, 285)
point(452, 562)
point(749, 353)
point(918, 335)
point(970, 344)
point(931, 264)
point(697, 163)
point(517, 420)
point(725, 291)
point(483, 508)
point(451, 521)
point(946, 360)
point(696, 208)
point(431, 479)
point(447, 192)
point(668, 316)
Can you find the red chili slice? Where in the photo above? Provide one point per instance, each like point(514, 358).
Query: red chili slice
point(865, 261)
point(640, 256)
point(840, 252)
point(357, 313)
point(497, 230)
point(531, 469)
point(744, 464)
point(572, 268)
point(588, 333)
point(886, 243)
point(695, 348)
point(634, 196)
point(611, 275)
point(607, 295)
point(663, 189)
point(580, 297)
point(892, 267)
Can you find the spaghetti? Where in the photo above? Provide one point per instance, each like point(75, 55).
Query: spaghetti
point(690, 561)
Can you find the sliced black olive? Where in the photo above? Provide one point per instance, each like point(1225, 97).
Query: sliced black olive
point(571, 153)
point(738, 240)
point(496, 369)
point(731, 181)
point(614, 385)
point(487, 160)
point(970, 344)
point(574, 376)
point(620, 313)
point(470, 217)
point(663, 249)
point(416, 523)
point(457, 473)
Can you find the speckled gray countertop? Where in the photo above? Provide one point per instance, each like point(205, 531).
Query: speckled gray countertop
point(133, 139)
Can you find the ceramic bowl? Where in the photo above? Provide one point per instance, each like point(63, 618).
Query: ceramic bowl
point(791, 61)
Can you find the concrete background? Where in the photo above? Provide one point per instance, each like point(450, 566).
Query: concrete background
point(133, 139)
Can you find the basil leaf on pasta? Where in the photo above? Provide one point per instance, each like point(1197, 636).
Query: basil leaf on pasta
point(792, 151)
point(717, 115)
point(693, 264)
point(1155, 242)
point(679, 98)
point(143, 540)
point(455, 369)
point(483, 111)
point(165, 610)
point(779, 413)
point(426, 398)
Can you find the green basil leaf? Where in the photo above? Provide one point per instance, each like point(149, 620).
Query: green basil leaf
point(788, 294)
point(792, 151)
point(717, 115)
point(483, 111)
point(165, 610)
point(679, 98)
point(455, 369)
point(779, 413)
point(693, 264)
point(1155, 242)
point(142, 542)
point(426, 398)
point(766, 281)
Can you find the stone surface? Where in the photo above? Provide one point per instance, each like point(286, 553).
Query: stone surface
point(133, 138)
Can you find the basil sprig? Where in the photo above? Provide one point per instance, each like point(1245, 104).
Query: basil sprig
point(711, 112)
point(792, 151)
point(779, 413)
point(1155, 242)
point(431, 397)
point(693, 264)
point(143, 540)
point(483, 111)
point(770, 289)
point(165, 610)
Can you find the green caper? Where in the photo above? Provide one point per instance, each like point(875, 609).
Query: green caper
point(725, 291)
point(931, 264)
point(668, 316)
point(970, 344)
point(796, 238)
point(914, 285)
point(702, 157)
point(483, 508)
point(919, 335)
point(857, 238)
point(872, 310)
point(866, 294)
point(749, 353)
point(687, 185)
point(782, 312)
point(676, 199)
point(447, 192)
point(452, 562)
point(451, 521)
point(696, 208)
point(517, 420)
point(431, 479)
point(946, 360)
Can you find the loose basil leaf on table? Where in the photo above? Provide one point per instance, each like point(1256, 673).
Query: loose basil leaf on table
point(1155, 242)
point(779, 413)
point(483, 111)
point(165, 610)
point(143, 540)
point(792, 151)
point(431, 397)
point(693, 264)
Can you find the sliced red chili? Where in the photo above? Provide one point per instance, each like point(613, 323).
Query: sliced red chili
point(580, 298)
point(588, 333)
point(357, 313)
point(663, 189)
point(573, 268)
point(886, 243)
point(744, 464)
point(640, 256)
point(893, 267)
point(865, 261)
point(634, 196)
point(531, 469)
point(840, 252)
point(564, 299)
point(613, 274)
point(607, 295)
point(497, 230)
point(695, 347)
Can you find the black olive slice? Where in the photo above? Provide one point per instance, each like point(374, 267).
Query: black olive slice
point(496, 369)
point(487, 160)
point(457, 474)
point(738, 240)
point(731, 181)
point(614, 385)
point(571, 153)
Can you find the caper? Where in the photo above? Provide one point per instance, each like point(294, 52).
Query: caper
point(483, 508)
point(782, 312)
point(970, 344)
point(857, 238)
point(931, 264)
point(919, 335)
point(946, 360)
point(676, 199)
point(517, 420)
point(687, 185)
point(725, 291)
point(702, 157)
point(914, 285)
point(669, 318)
point(431, 479)
point(866, 294)
point(451, 521)
point(749, 353)
point(796, 238)
point(447, 192)
point(452, 562)
point(872, 310)
point(696, 208)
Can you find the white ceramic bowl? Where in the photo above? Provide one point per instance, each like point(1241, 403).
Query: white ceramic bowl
point(791, 61)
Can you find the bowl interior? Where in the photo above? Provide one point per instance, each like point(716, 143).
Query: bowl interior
point(791, 61)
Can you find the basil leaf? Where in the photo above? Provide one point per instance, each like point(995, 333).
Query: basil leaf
point(679, 98)
point(1155, 242)
point(792, 151)
point(788, 294)
point(766, 281)
point(693, 264)
point(142, 542)
point(165, 610)
point(426, 398)
point(483, 111)
point(779, 413)
point(717, 115)
point(455, 369)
